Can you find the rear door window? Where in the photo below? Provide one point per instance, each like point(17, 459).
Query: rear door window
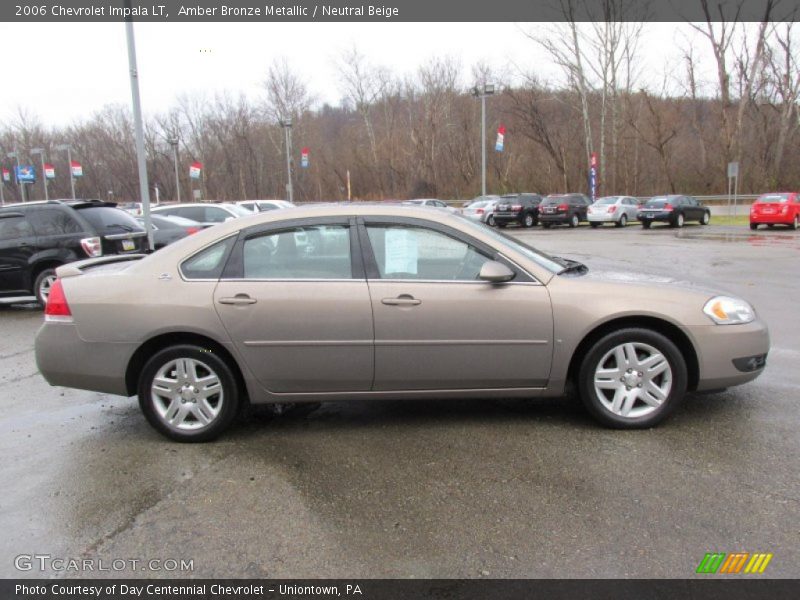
point(312, 252)
point(14, 228)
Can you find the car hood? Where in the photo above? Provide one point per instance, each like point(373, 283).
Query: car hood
point(648, 279)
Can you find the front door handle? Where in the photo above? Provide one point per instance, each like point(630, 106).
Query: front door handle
point(238, 300)
point(402, 300)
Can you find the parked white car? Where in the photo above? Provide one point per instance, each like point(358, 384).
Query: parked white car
point(482, 210)
point(206, 213)
point(433, 203)
point(619, 210)
point(257, 206)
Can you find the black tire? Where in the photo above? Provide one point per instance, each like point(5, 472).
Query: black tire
point(41, 287)
point(589, 363)
point(594, 225)
point(706, 219)
point(490, 221)
point(230, 392)
point(623, 221)
point(795, 223)
point(678, 221)
point(574, 221)
point(646, 224)
point(528, 221)
point(753, 226)
point(501, 224)
point(546, 225)
point(770, 225)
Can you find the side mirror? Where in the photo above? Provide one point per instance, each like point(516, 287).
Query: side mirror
point(495, 272)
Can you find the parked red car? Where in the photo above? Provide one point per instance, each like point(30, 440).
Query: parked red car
point(776, 208)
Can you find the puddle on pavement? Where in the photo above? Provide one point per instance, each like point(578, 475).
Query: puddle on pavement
point(786, 240)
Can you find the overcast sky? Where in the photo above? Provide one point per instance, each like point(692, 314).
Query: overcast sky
point(62, 73)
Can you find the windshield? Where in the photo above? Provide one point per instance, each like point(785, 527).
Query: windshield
point(769, 198)
point(239, 210)
point(608, 200)
point(107, 218)
point(550, 263)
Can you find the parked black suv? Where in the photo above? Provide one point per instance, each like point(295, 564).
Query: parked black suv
point(517, 208)
point(564, 208)
point(37, 237)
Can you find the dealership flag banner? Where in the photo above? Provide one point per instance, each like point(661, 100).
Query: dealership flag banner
point(49, 171)
point(593, 176)
point(25, 174)
point(304, 158)
point(6, 175)
point(501, 136)
point(77, 169)
point(195, 169)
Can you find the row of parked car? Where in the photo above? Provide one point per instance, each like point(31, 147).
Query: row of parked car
point(528, 210)
point(38, 237)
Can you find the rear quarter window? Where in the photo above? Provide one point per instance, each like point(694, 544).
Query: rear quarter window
point(54, 221)
point(209, 262)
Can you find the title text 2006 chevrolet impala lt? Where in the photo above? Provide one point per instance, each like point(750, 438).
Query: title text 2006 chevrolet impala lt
point(369, 302)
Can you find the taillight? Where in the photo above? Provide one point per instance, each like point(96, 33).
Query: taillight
point(192, 230)
point(57, 308)
point(92, 246)
point(668, 206)
point(612, 208)
point(562, 207)
point(479, 211)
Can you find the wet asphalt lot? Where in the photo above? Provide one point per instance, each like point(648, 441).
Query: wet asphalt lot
point(428, 489)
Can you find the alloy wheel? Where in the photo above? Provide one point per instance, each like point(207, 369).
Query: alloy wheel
point(632, 380)
point(187, 394)
point(45, 286)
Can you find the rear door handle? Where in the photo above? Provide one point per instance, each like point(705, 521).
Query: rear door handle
point(238, 300)
point(402, 300)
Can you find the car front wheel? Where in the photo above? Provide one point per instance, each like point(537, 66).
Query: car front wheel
point(574, 221)
point(632, 378)
point(188, 393)
point(44, 281)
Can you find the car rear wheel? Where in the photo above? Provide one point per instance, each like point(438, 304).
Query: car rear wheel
point(623, 221)
point(44, 281)
point(574, 221)
point(632, 379)
point(490, 221)
point(646, 224)
point(188, 393)
point(795, 223)
point(528, 220)
point(753, 226)
point(594, 225)
point(706, 219)
point(679, 220)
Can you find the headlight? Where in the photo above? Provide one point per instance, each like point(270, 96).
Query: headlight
point(724, 310)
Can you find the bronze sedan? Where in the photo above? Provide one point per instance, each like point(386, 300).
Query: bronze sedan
point(369, 302)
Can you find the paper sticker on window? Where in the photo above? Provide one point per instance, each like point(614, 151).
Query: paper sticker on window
point(401, 251)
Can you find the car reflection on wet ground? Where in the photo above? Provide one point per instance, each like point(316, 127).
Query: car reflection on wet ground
point(433, 488)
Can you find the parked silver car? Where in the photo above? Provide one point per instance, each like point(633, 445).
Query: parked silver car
point(433, 203)
point(619, 210)
point(482, 210)
point(264, 205)
point(370, 302)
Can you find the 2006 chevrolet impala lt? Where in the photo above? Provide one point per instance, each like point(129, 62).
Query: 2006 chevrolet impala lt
point(369, 302)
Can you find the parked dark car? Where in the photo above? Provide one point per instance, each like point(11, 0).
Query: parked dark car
point(170, 229)
point(522, 209)
point(675, 210)
point(568, 209)
point(37, 237)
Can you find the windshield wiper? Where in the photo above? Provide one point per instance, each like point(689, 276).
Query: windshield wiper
point(121, 226)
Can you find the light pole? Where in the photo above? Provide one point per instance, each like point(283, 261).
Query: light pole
point(40, 152)
point(287, 126)
point(482, 93)
point(68, 148)
point(173, 141)
point(21, 185)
